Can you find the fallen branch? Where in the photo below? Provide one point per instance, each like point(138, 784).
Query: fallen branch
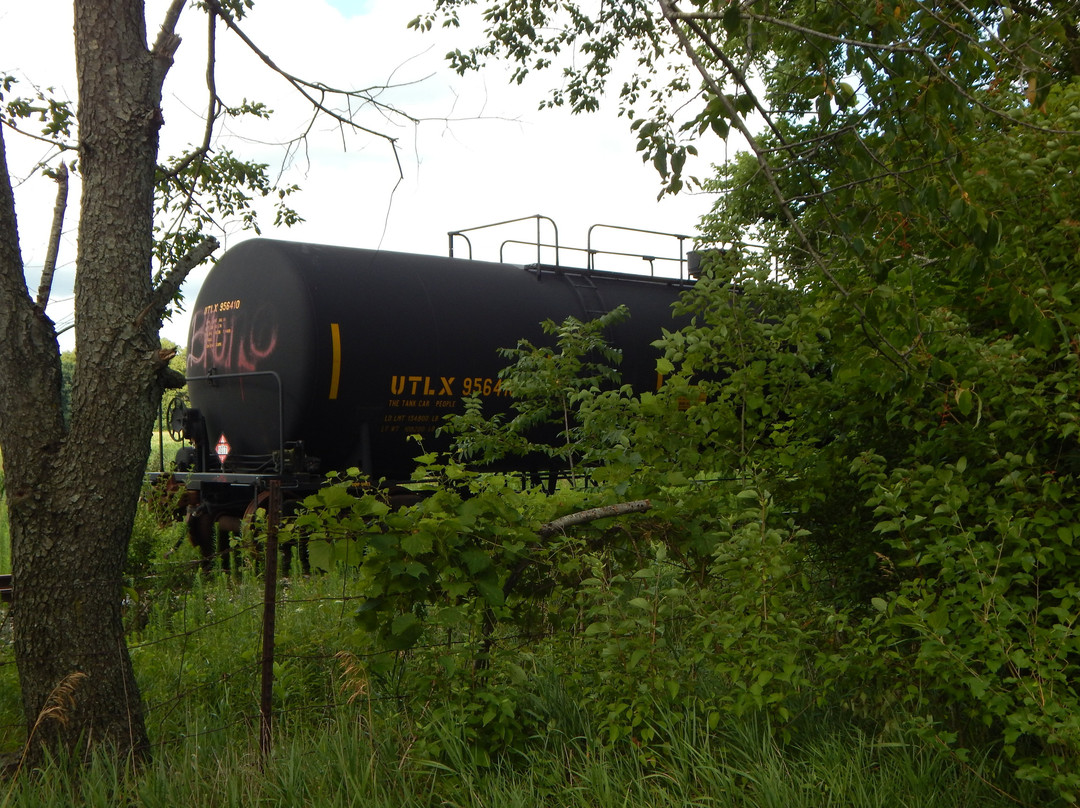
point(591, 515)
point(549, 529)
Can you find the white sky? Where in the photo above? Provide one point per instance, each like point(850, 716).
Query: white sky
point(484, 154)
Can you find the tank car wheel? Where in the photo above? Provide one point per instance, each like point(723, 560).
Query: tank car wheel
point(260, 500)
point(174, 417)
point(247, 525)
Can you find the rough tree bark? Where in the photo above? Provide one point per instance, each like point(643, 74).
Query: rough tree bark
point(72, 492)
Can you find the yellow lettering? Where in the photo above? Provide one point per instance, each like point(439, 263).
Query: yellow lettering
point(447, 387)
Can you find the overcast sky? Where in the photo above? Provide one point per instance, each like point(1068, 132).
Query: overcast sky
point(482, 152)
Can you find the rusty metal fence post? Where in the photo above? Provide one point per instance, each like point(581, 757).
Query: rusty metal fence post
point(273, 517)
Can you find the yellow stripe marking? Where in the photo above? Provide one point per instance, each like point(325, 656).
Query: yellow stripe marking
point(335, 367)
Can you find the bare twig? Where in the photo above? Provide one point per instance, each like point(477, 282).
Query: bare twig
point(309, 89)
point(810, 32)
point(213, 107)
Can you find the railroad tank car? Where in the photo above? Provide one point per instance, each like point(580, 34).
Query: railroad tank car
point(305, 358)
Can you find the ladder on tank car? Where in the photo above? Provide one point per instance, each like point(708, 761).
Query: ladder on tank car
point(592, 303)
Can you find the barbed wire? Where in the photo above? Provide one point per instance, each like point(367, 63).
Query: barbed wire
point(200, 627)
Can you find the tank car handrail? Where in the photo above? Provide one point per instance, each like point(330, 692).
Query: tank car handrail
point(469, 243)
point(682, 242)
point(591, 267)
point(543, 245)
point(280, 397)
point(538, 217)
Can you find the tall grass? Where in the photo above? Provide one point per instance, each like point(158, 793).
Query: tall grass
point(194, 641)
point(195, 646)
point(161, 446)
point(345, 763)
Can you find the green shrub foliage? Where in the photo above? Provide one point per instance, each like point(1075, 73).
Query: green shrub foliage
point(930, 452)
point(866, 506)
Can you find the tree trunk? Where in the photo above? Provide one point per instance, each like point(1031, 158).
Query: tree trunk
point(72, 495)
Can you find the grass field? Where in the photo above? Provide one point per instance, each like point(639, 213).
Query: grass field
point(161, 441)
point(341, 738)
point(193, 651)
point(341, 764)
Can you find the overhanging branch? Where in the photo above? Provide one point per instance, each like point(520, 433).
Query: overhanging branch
point(308, 89)
point(671, 14)
point(170, 284)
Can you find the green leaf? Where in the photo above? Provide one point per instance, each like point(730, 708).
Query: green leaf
point(490, 591)
point(319, 555)
point(476, 560)
point(824, 109)
point(403, 623)
point(404, 632)
point(732, 19)
point(963, 401)
point(417, 543)
point(1042, 333)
